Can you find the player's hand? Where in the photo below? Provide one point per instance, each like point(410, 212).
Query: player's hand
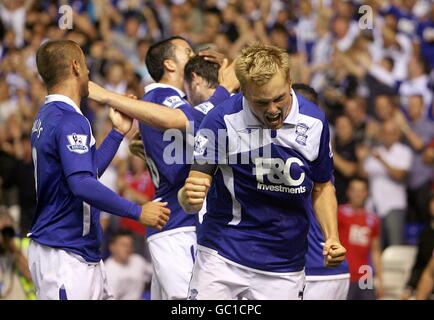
point(96, 92)
point(227, 77)
point(137, 148)
point(193, 194)
point(121, 122)
point(333, 252)
point(212, 56)
point(155, 214)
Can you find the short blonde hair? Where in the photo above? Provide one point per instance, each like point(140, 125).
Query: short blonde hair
point(259, 63)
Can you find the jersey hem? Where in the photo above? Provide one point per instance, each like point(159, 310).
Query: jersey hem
point(270, 273)
point(328, 277)
point(170, 232)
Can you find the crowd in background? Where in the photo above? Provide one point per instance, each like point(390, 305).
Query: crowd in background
point(374, 80)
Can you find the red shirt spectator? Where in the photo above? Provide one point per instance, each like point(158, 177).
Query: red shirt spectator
point(359, 232)
point(357, 229)
point(137, 186)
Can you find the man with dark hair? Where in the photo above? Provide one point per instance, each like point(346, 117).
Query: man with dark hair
point(165, 50)
point(307, 91)
point(200, 79)
point(64, 256)
point(175, 245)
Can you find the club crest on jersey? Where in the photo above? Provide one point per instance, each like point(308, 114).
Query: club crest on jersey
point(300, 131)
point(37, 128)
point(77, 143)
point(204, 107)
point(173, 102)
point(200, 144)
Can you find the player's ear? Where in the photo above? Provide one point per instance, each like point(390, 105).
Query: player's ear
point(196, 80)
point(169, 65)
point(76, 67)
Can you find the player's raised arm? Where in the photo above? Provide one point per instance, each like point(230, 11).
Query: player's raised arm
point(152, 114)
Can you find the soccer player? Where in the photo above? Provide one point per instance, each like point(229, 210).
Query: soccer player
point(172, 249)
point(64, 257)
point(322, 283)
point(360, 233)
point(266, 151)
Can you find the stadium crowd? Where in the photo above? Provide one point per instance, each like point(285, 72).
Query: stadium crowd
point(374, 79)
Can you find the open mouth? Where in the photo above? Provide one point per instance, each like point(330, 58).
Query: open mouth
point(273, 120)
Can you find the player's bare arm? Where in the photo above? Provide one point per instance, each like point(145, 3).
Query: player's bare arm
point(325, 206)
point(193, 194)
point(154, 115)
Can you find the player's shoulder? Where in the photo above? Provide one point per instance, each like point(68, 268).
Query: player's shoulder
point(230, 106)
point(62, 117)
point(310, 109)
point(168, 96)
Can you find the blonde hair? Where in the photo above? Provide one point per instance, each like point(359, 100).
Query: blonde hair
point(259, 63)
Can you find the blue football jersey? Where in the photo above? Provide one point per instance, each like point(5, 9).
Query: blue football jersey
point(63, 144)
point(169, 160)
point(259, 205)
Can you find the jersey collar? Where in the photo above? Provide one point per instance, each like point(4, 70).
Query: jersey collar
point(291, 118)
point(156, 85)
point(62, 98)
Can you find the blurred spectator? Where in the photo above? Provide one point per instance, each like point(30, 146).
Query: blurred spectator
point(359, 231)
point(344, 156)
point(387, 167)
point(135, 184)
point(22, 177)
point(425, 37)
point(418, 132)
point(424, 253)
point(15, 278)
point(355, 110)
point(417, 84)
point(128, 273)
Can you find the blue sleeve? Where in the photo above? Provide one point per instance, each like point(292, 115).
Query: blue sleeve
point(220, 95)
point(107, 150)
point(322, 166)
point(91, 191)
point(74, 143)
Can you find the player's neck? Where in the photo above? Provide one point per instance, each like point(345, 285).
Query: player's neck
point(68, 91)
point(173, 81)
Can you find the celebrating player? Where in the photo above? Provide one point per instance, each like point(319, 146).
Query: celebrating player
point(174, 248)
point(64, 256)
point(253, 239)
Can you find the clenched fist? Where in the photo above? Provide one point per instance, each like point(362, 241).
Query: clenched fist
point(193, 194)
point(333, 252)
point(155, 214)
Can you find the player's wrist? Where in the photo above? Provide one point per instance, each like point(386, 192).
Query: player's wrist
point(119, 131)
